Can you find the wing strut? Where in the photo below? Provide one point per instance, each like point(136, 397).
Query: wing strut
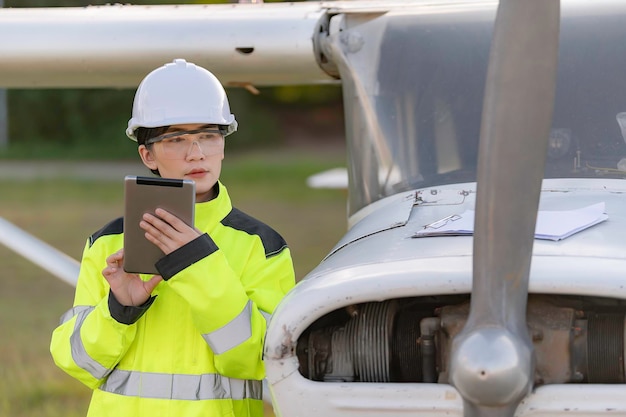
point(39, 252)
point(492, 358)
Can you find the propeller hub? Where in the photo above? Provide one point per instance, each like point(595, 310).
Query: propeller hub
point(491, 367)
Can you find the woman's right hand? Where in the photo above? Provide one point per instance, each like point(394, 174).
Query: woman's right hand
point(129, 289)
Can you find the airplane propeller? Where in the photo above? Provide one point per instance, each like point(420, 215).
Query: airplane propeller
point(492, 362)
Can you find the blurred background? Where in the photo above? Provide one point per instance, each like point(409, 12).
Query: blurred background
point(87, 121)
point(63, 155)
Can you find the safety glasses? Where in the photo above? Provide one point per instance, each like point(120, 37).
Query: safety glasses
point(177, 145)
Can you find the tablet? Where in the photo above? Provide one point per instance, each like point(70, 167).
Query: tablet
point(145, 195)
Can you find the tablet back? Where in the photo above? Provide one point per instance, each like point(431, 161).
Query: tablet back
point(145, 195)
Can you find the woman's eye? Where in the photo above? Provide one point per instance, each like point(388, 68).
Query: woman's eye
point(175, 140)
point(207, 137)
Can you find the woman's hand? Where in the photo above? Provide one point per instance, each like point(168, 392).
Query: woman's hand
point(129, 289)
point(167, 231)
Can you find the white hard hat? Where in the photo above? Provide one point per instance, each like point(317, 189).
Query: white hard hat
point(180, 93)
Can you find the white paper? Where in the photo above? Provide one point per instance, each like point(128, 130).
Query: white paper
point(551, 225)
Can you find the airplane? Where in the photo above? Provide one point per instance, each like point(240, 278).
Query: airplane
point(482, 270)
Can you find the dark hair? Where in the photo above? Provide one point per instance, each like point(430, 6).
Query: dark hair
point(145, 133)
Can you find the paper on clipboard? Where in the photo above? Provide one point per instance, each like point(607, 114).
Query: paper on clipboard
point(551, 225)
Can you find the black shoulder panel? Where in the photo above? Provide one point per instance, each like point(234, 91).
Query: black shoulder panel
point(114, 227)
point(272, 241)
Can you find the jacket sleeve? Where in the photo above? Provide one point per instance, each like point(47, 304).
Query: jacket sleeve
point(230, 310)
point(91, 340)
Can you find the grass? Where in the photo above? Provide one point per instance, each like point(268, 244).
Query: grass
point(63, 212)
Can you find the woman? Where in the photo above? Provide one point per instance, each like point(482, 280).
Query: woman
point(189, 341)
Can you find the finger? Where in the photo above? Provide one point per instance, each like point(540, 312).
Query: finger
point(155, 229)
point(171, 219)
point(158, 230)
point(166, 235)
point(155, 235)
point(158, 240)
point(168, 244)
point(109, 273)
point(115, 258)
point(158, 224)
point(151, 284)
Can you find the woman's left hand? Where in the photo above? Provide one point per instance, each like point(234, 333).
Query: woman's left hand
point(167, 231)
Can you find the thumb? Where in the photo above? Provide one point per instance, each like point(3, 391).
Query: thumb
point(152, 283)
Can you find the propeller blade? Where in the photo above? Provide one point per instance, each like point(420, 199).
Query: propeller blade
point(492, 362)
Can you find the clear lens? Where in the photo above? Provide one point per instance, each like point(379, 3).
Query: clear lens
point(177, 145)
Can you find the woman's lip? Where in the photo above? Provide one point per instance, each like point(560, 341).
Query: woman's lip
point(196, 173)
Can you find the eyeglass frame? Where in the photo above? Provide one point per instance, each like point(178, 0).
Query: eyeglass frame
point(164, 136)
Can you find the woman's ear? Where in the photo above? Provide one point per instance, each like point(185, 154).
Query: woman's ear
point(146, 157)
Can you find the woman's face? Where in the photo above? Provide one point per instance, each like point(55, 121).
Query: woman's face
point(196, 155)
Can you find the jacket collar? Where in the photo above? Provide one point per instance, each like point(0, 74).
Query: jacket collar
point(211, 212)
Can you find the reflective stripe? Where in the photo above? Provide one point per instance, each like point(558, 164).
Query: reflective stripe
point(67, 316)
point(181, 387)
point(79, 354)
point(232, 334)
point(267, 317)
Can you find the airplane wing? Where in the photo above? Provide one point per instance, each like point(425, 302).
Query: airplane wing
point(251, 44)
point(116, 45)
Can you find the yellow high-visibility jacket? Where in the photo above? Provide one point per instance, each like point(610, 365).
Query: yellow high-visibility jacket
point(195, 348)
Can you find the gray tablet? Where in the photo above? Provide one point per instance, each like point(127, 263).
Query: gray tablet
point(145, 195)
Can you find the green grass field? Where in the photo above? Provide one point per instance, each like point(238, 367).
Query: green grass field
point(63, 212)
